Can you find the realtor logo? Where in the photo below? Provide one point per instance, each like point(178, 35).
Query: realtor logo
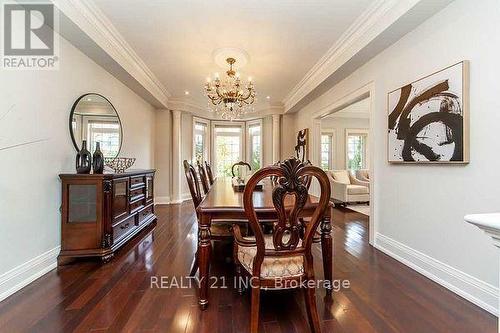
point(28, 36)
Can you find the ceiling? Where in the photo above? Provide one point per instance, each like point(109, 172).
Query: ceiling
point(360, 109)
point(283, 38)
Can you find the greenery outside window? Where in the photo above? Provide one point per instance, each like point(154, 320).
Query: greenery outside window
point(356, 148)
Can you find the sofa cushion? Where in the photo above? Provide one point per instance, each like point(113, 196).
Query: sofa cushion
point(341, 176)
point(362, 174)
point(357, 189)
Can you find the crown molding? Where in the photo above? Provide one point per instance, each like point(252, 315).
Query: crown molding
point(370, 24)
point(98, 28)
point(353, 115)
point(188, 105)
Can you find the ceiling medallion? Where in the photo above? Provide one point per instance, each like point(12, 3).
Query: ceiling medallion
point(228, 98)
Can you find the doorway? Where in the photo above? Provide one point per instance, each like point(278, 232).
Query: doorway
point(342, 137)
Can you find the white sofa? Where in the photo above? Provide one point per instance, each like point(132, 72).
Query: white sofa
point(345, 188)
point(363, 175)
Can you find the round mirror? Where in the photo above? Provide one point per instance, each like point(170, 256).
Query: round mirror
point(94, 118)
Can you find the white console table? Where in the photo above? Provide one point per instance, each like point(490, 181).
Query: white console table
point(490, 224)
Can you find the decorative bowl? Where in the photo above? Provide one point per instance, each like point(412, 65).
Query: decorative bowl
point(119, 164)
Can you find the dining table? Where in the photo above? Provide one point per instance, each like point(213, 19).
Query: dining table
point(223, 203)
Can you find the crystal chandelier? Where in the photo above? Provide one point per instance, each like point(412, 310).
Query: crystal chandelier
point(229, 98)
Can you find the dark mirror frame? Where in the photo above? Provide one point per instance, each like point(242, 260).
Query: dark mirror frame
point(71, 120)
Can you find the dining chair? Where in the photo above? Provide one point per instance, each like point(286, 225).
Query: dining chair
point(240, 163)
point(209, 173)
point(219, 230)
point(283, 259)
point(203, 177)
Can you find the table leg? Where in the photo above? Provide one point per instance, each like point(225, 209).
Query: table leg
point(327, 249)
point(204, 251)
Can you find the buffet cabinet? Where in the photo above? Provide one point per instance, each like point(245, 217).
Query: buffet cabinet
point(102, 212)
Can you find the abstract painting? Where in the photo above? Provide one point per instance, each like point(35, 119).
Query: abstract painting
point(302, 147)
point(428, 119)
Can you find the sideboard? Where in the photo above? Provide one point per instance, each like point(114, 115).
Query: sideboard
point(102, 212)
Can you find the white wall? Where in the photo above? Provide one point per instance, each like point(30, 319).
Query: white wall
point(34, 109)
point(163, 156)
point(339, 125)
point(419, 209)
point(267, 141)
point(186, 149)
point(289, 129)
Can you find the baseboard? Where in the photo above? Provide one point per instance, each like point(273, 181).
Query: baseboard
point(162, 200)
point(24, 274)
point(168, 201)
point(184, 197)
point(472, 289)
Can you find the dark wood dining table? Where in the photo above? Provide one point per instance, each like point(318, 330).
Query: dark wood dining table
point(222, 202)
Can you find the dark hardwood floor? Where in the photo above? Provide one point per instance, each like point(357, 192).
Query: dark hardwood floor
point(385, 296)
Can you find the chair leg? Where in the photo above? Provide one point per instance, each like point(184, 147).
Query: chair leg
point(238, 279)
point(194, 265)
point(312, 310)
point(254, 312)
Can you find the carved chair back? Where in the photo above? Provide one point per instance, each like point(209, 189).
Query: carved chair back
point(307, 179)
point(240, 163)
point(209, 173)
point(288, 231)
point(203, 177)
point(193, 184)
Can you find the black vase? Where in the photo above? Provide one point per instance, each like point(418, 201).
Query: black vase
point(98, 159)
point(83, 159)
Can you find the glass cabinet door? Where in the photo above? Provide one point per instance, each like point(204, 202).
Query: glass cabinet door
point(120, 197)
point(82, 203)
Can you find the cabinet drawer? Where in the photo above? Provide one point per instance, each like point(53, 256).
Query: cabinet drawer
point(134, 207)
point(123, 228)
point(137, 182)
point(144, 215)
point(136, 194)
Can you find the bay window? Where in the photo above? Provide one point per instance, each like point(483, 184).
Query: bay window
point(228, 146)
point(201, 140)
point(254, 144)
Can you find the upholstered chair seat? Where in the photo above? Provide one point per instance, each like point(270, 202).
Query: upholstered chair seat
point(272, 267)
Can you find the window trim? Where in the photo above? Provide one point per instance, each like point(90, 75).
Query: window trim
point(248, 152)
point(333, 133)
point(208, 143)
point(354, 131)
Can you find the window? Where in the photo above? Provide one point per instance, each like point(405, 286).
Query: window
point(356, 143)
point(105, 132)
point(228, 147)
point(327, 151)
point(254, 145)
point(200, 140)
